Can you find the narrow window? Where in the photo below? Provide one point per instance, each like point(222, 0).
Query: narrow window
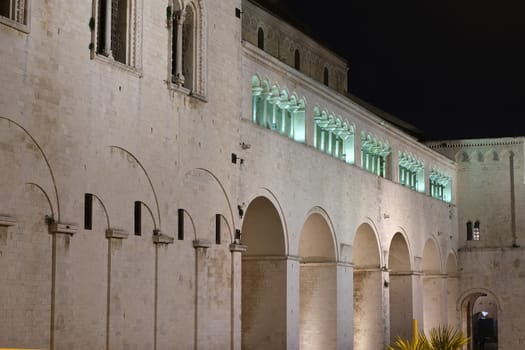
point(138, 218)
point(119, 24)
point(115, 32)
point(469, 231)
point(297, 60)
point(188, 48)
point(101, 28)
point(218, 228)
point(15, 10)
point(181, 224)
point(260, 38)
point(183, 48)
point(325, 76)
point(475, 232)
point(88, 211)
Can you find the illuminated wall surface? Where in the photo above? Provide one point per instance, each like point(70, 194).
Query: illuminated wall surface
point(196, 177)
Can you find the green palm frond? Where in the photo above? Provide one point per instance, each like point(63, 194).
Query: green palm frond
point(420, 343)
point(440, 338)
point(446, 338)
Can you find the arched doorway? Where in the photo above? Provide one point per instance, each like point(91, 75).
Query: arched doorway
point(369, 322)
point(400, 288)
point(479, 320)
point(318, 286)
point(264, 278)
point(433, 287)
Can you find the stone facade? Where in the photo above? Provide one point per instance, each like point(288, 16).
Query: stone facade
point(249, 205)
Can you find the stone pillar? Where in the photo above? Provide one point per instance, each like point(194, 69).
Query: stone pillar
point(345, 306)
point(201, 272)
point(179, 77)
point(236, 285)
point(61, 295)
point(417, 298)
point(159, 239)
point(107, 34)
point(292, 302)
point(111, 234)
point(385, 277)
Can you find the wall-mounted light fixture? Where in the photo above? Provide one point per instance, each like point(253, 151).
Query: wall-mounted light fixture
point(240, 209)
point(237, 239)
point(235, 157)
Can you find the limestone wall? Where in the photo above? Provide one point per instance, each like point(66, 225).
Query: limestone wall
point(73, 123)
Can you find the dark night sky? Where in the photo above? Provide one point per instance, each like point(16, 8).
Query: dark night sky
point(452, 68)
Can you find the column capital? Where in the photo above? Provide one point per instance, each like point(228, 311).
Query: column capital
point(241, 248)
point(161, 238)
point(56, 227)
point(201, 243)
point(179, 17)
point(116, 233)
point(6, 220)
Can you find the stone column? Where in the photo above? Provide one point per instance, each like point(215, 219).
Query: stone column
point(417, 298)
point(292, 302)
point(111, 234)
point(236, 285)
point(61, 295)
point(107, 42)
point(345, 306)
point(179, 19)
point(201, 273)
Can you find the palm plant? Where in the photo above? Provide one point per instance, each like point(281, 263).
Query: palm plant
point(446, 338)
point(418, 343)
point(440, 338)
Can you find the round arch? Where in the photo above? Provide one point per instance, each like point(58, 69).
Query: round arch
point(479, 310)
point(317, 282)
point(433, 311)
point(317, 239)
point(366, 251)
point(432, 263)
point(400, 287)
point(452, 287)
point(262, 229)
point(264, 275)
point(368, 290)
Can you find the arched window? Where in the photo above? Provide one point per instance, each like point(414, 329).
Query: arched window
point(440, 185)
point(411, 172)
point(188, 30)
point(375, 155)
point(188, 49)
point(260, 38)
point(469, 231)
point(325, 76)
point(297, 60)
point(475, 232)
point(278, 110)
point(333, 136)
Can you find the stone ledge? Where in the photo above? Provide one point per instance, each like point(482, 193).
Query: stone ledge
point(116, 233)
point(234, 247)
point(6, 220)
point(56, 227)
point(161, 238)
point(201, 243)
